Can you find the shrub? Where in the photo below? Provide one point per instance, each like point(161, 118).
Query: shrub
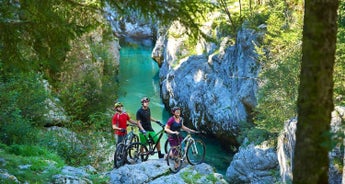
point(40, 164)
point(24, 95)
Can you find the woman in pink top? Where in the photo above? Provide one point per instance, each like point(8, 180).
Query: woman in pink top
point(174, 126)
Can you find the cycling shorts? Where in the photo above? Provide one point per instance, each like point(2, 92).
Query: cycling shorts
point(143, 139)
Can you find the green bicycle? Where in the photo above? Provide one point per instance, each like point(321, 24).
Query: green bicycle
point(138, 152)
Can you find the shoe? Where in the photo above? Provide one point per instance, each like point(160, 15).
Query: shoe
point(161, 155)
point(176, 165)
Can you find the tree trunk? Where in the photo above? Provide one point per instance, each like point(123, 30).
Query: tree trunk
point(315, 96)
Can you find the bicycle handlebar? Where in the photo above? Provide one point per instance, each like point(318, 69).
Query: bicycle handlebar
point(160, 124)
point(197, 132)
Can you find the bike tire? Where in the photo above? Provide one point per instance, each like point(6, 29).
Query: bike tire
point(119, 155)
point(136, 153)
point(166, 146)
point(196, 151)
point(174, 159)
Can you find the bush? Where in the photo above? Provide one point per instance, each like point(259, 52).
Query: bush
point(66, 144)
point(40, 163)
point(17, 131)
point(280, 71)
point(24, 95)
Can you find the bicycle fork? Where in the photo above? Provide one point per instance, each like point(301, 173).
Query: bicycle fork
point(194, 148)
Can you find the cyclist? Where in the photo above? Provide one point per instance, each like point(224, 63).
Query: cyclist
point(144, 123)
point(119, 122)
point(173, 127)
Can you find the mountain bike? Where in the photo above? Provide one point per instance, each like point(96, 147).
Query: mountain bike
point(138, 152)
point(193, 150)
point(120, 152)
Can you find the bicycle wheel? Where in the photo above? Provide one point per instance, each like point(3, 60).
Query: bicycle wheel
point(119, 156)
point(196, 151)
point(166, 146)
point(174, 159)
point(136, 152)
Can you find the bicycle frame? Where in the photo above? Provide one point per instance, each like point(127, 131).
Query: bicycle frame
point(152, 146)
point(189, 148)
point(128, 138)
point(184, 144)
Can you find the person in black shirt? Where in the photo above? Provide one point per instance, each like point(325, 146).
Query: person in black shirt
point(144, 123)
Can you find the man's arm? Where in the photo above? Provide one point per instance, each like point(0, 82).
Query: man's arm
point(133, 122)
point(116, 128)
point(140, 126)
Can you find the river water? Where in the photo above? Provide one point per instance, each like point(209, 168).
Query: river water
point(138, 77)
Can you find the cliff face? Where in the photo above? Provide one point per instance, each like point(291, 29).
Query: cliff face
point(215, 91)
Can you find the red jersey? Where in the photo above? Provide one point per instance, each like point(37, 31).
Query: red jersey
point(120, 120)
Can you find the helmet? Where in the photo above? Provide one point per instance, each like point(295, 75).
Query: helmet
point(118, 104)
point(175, 109)
point(145, 99)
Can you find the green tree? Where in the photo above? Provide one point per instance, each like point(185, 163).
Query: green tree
point(315, 95)
point(187, 12)
point(280, 67)
point(35, 34)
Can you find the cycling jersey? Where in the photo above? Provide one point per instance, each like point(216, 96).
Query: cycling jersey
point(175, 126)
point(144, 115)
point(175, 140)
point(120, 120)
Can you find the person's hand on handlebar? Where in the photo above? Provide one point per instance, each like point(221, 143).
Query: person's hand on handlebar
point(143, 132)
point(160, 124)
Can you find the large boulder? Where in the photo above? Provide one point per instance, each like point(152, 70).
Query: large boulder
point(253, 164)
point(215, 91)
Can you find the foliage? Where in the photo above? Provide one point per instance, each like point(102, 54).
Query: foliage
point(280, 68)
point(236, 13)
point(256, 135)
point(88, 81)
point(84, 98)
point(166, 12)
point(100, 121)
point(66, 144)
point(42, 164)
point(77, 149)
point(23, 103)
point(23, 93)
point(99, 179)
point(190, 177)
point(36, 33)
point(339, 68)
point(18, 131)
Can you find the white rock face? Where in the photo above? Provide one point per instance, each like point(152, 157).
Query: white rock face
point(253, 164)
point(131, 29)
point(217, 91)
